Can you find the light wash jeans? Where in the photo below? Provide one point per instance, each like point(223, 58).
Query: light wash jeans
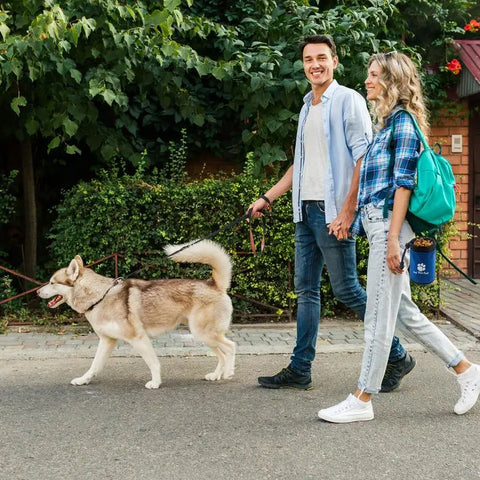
point(388, 299)
point(314, 248)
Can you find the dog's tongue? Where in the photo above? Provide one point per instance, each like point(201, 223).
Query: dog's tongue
point(53, 302)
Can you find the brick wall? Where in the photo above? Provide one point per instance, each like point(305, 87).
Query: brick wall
point(441, 131)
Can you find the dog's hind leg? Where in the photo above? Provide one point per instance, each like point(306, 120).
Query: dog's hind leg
point(228, 347)
point(105, 347)
point(217, 374)
point(144, 347)
point(224, 349)
point(208, 325)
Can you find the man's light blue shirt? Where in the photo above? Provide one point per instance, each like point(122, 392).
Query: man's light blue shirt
point(348, 130)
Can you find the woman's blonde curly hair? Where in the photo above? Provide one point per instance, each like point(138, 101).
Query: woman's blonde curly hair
point(401, 87)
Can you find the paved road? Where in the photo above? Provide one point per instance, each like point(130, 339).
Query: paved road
point(192, 429)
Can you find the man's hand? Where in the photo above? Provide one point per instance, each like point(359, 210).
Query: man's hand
point(257, 207)
point(340, 227)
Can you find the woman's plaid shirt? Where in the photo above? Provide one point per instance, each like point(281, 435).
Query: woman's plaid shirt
point(376, 181)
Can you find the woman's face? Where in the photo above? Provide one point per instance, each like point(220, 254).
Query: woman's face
point(374, 88)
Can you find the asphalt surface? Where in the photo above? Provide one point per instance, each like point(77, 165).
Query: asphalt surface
point(191, 429)
point(188, 429)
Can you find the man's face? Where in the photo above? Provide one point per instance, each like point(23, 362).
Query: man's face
point(319, 64)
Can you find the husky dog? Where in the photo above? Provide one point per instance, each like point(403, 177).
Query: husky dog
point(134, 310)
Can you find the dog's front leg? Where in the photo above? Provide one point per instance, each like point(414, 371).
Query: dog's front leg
point(105, 347)
point(144, 347)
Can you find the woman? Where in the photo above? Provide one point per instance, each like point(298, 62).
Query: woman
point(393, 84)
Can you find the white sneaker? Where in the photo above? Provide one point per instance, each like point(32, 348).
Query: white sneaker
point(350, 410)
point(469, 382)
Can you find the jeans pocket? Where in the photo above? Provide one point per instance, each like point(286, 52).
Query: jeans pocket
point(374, 214)
point(320, 205)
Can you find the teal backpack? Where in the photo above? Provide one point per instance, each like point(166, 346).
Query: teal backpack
point(432, 203)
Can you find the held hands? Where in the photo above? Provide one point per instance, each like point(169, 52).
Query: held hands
point(340, 227)
point(393, 256)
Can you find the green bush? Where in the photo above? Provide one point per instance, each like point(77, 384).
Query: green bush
point(136, 215)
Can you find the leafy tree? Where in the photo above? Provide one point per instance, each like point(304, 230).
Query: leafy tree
point(94, 79)
point(84, 82)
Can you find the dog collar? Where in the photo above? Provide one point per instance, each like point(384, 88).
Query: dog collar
point(115, 282)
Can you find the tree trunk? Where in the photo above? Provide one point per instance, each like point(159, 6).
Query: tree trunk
point(30, 208)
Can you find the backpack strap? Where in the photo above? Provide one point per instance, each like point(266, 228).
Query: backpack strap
point(391, 165)
point(421, 137)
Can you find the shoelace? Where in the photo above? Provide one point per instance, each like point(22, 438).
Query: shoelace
point(468, 386)
point(345, 405)
point(284, 372)
point(389, 369)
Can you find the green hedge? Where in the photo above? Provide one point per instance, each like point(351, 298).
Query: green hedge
point(137, 215)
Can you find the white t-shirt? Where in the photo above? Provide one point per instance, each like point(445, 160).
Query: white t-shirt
point(316, 156)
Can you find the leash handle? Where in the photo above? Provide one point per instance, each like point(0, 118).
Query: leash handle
point(249, 217)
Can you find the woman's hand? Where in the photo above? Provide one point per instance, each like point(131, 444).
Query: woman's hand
point(400, 206)
point(393, 255)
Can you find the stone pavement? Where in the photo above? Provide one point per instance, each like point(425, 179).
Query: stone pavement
point(338, 335)
point(461, 308)
point(461, 304)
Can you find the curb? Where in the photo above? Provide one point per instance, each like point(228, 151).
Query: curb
point(466, 326)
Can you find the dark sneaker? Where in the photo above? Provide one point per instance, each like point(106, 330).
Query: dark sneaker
point(396, 371)
point(287, 378)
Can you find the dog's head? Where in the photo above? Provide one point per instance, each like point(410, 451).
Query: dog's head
point(60, 286)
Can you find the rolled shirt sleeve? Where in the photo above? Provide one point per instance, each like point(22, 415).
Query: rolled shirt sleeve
point(407, 151)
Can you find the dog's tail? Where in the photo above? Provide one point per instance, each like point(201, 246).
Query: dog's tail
point(209, 253)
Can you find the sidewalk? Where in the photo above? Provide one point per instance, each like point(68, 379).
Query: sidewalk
point(334, 336)
point(461, 304)
point(461, 324)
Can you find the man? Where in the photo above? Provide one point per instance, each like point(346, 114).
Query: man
point(334, 131)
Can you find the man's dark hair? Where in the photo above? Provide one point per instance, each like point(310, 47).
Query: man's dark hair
point(327, 39)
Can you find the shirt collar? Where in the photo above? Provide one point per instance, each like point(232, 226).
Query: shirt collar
point(327, 94)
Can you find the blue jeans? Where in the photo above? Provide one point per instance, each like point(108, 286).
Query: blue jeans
point(389, 301)
point(314, 248)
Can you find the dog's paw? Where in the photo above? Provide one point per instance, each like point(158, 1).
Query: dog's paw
point(81, 381)
point(213, 376)
point(151, 385)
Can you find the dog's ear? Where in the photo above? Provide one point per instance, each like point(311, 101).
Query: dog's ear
point(74, 269)
point(79, 260)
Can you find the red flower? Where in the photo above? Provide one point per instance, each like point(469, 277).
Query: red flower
point(454, 66)
point(472, 26)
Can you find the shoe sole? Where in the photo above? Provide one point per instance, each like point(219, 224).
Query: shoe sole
point(292, 387)
point(386, 390)
point(350, 420)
